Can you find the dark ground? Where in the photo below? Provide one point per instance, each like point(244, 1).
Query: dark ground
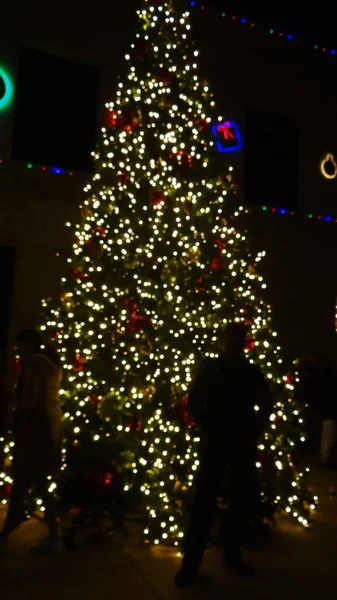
point(293, 563)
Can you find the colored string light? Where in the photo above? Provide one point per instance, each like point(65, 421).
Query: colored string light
point(286, 211)
point(263, 208)
point(272, 31)
point(96, 322)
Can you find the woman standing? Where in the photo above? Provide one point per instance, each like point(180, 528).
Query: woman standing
point(38, 436)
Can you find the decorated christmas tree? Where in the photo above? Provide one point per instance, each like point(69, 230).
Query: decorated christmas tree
point(160, 264)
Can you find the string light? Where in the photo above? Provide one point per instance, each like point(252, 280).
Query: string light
point(284, 35)
point(43, 168)
point(279, 211)
point(159, 266)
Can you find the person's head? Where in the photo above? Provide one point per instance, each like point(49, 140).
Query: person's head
point(234, 338)
point(29, 343)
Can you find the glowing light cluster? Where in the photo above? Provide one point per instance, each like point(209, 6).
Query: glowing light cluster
point(159, 266)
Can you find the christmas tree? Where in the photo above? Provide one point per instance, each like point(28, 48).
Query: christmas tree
point(159, 266)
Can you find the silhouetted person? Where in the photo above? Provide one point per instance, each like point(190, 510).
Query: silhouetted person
point(222, 402)
point(320, 395)
point(38, 435)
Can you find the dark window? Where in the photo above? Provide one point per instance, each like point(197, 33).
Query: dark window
point(55, 111)
point(271, 160)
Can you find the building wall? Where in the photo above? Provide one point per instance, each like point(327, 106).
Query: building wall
point(245, 69)
point(34, 208)
point(251, 70)
point(300, 271)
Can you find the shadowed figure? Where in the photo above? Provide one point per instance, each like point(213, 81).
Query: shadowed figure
point(38, 434)
point(223, 401)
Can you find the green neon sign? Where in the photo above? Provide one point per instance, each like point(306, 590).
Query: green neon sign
point(7, 96)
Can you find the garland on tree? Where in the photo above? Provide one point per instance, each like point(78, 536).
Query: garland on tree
point(160, 264)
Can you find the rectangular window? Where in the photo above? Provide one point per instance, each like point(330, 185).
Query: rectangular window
point(55, 111)
point(271, 160)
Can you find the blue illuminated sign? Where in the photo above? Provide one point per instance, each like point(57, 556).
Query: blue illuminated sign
point(227, 136)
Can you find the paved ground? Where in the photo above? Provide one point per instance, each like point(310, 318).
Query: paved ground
point(294, 563)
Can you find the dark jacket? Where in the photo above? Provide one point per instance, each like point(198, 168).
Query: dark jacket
point(222, 401)
point(38, 427)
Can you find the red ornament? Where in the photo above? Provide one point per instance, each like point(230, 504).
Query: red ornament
point(221, 243)
point(250, 343)
point(78, 364)
point(95, 249)
point(99, 481)
point(110, 119)
point(130, 305)
point(54, 335)
point(123, 179)
point(165, 77)
point(75, 274)
point(127, 121)
point(95, 398)
point(157, 198)
point(202, 124)
point(100, 230)
point(290, 378)
point(217, 264)
point(91, 244)
point(185, 160)
point(107, 479)
point(5, 491)
point(144, 322)
point(249, 312)
point(185, 416)
point(200, 285)
point(135, 424)
point(131, 328)
point(138, 324)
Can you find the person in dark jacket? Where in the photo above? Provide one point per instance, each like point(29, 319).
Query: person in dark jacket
point(38, 434)
point(230, 402)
